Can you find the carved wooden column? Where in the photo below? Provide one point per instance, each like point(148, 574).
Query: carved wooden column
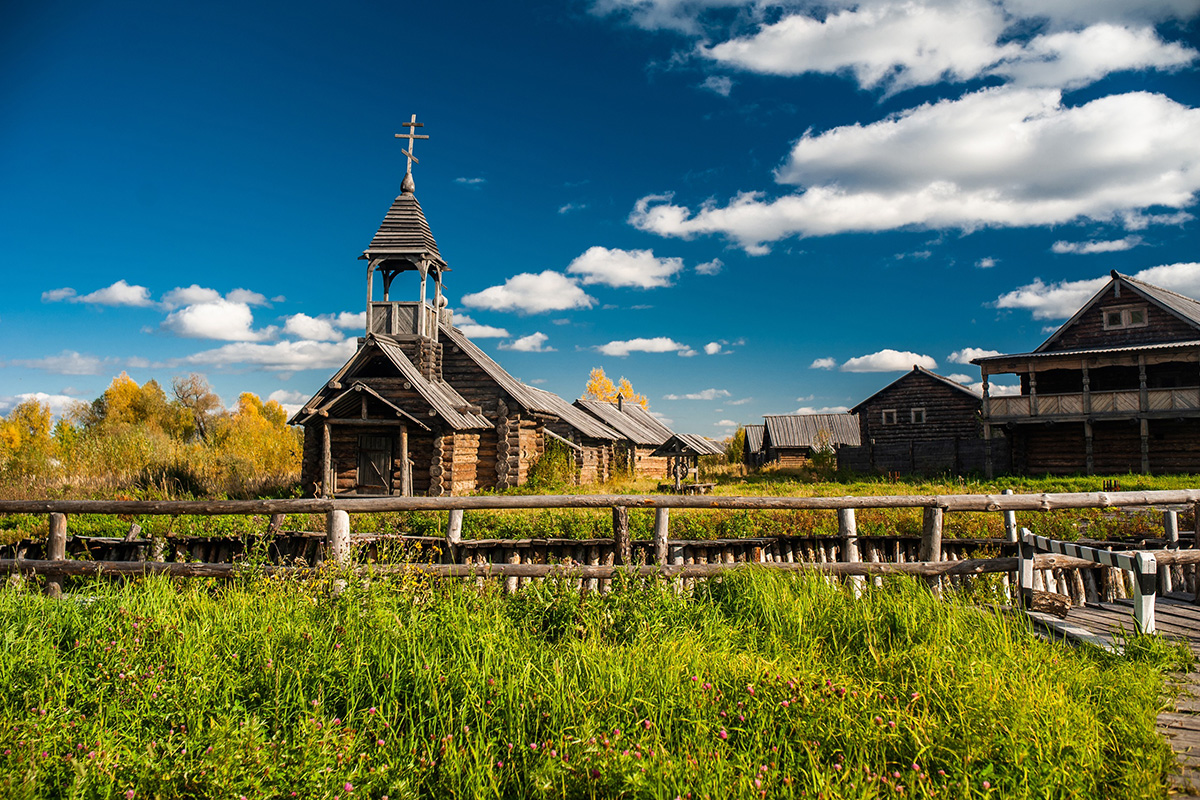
point(1087, 389)
point(1033, 401)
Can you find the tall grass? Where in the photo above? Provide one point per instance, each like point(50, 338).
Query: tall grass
point(756, 686)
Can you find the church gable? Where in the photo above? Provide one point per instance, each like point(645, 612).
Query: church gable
point(1126, 313)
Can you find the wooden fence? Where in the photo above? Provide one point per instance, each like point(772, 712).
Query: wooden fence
point(594, 562)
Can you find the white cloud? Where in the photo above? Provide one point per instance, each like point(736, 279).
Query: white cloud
point(710, 267)
point(823, 363)
point(888, 360)
point(118, 294)
point(531, 293)
point(1093, 246)
point(567, 208)
point(291, 401)
point(683, 16)
point(719, 84)
point(471, 181)
point(349, 320)
point(658, 344)
point(712, 348)
point(740, 402)
point(965, 355)
point(189, 295)
point(475, 330)
point(961, 378)
point(620, 268)
point(821, 410)
point(1062, 299)
point(533, 343)
point(58, 295)
point(280, 356)
point(994, 389)
point(725, 423)
point(219, 319)
point(68, 362)
point(302, 326)
point(992, 158)
point(704, 394)
point(986, 263)
point(59, 404)
point(248, 297)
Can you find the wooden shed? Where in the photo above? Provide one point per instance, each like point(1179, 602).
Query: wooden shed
point(640, 435)
point(1115, 389)
point(753, 455)
point(791, 440)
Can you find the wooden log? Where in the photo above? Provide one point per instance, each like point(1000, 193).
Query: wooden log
point(337, 537)
point(593, 559)
point(606, 583)
point(848, 531)
point(1078, 588)
point(454, 534)
point(1166, 579)
point(661, 521)
point(510, 583)
point(56, 550)
point(1091, 591)
point(1050, 603)
point(621, 542)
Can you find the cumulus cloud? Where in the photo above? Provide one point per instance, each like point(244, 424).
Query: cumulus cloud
point(993, 158)
point(533, 343)
point(217, 319)
point(280, 356)
point(823, 363)
point(704, 394)
point(58, 295)
point(120, 293)
point(640, 269)
point(291, 401)
point(1062, 299)
point(888, 360)
point(821, 410)
point(250, 298)
point(961, 378)
point(189, 295)
point(657, 344)
point(302, 326)
point(1093, 246)
point(567, 208)
point(986, 263)
point(965, 355)
point(350, 320)
point(710, 267)
point(719, 84)
point(712, 348)
point(531, 293)
point(475, 330)
point(68, 362)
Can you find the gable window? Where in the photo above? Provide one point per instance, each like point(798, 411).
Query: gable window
point(918, 416)
point(1121, 318)
point(889, 416)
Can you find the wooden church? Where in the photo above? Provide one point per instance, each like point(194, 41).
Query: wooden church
point(419, 408)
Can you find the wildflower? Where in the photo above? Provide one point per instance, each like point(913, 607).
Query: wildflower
point(750, 688)
point(349, 787)
point(129, 795)
point(646, 724)
point(371, 710)
point(724, 734)
point(379, 742)
point(695, 678)
point(987, 785)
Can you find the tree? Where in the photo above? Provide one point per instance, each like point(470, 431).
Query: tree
point(197, 398)
point(735, 448)
point(600, 387)
point(26, 447)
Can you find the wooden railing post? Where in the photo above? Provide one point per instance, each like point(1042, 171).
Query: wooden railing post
point(848, 531)
point(454, 534)
point(931, 539)
point(56, 550)
point(337, 536)
point(1171, 534)
point(1196, 546)
point(1145, 581)
point(1010, 532)
point(661, 519)
point(1025, 574)
point(622, 547)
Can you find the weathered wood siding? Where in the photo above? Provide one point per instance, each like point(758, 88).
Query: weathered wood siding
point(1174, 445)
point(648, 466)
point(789, 457)
point(1088, 331)
point(949, 413)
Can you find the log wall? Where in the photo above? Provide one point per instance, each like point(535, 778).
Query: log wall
point(1088, 331)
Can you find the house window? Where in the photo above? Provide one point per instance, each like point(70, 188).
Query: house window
point(889, 416)
point(918, 416)
point(1120, 318)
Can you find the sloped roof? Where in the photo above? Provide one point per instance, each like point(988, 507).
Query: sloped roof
point(754, 438)
point(441, 397)
point(550, 403)
point(688, 444)
point(630, 420)
point(1093, 351)
point(404, 232)
point(526, 396)
point(349, 403)
point(917, 370)
point(805, 430)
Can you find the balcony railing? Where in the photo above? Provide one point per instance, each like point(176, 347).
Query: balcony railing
point(402, 319)
point(1101, 403)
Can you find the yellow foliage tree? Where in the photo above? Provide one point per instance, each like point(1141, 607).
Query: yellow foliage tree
point(600, 387)
point(26, 447)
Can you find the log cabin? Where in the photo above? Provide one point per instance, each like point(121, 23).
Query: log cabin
point(1116, 389)
point(641, 434)
point(791, 440)
point(752, 454)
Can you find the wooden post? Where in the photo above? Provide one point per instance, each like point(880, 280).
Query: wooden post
point(337, 536)
point(621, 544)
point(56, 550)
point(1089, 448)
point(326, 458)
point(1196, 545)
point(1012, 535)
point(1145, 431)
point(1025, 574)
point(661, 518)
point(1145, 581)
point(1171, 534)
point(931, 539)
point(848, 531)
point(405, 466)
point(454, 534)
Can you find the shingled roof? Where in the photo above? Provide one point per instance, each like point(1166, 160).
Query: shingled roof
point(754, 438)
point(811, 430)
point(688, 444)
point(630, 420)
point(404, 233)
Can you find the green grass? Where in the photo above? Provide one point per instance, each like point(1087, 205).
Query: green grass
point(757, 686)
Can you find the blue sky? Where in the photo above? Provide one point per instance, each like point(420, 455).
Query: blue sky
point(744, 208)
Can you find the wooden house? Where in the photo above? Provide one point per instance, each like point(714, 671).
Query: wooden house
point(752, 454)
point(791, 440)
point(641, 434)
point(419, 408)
point(921, 422)
point(1115, 389)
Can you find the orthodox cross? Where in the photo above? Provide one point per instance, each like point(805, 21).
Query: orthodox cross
point(411, 136)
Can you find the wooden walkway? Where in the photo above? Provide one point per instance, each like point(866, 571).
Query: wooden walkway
point(1176, 617)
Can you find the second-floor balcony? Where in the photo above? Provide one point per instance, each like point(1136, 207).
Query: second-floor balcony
point(403, 319)
point(1124, 403)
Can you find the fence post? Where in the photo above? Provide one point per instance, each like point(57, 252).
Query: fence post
point(622, 547)
point(337, 536)
point(56, 550)
point(1145, 581)
point(1196, 546)
point(931, 540)
point(1025, 577)
point(848, 531)
point(1010, 533)
point(454, 534)
point(661, 518)
point(1171, 534)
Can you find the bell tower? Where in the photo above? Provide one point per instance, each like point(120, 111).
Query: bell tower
point(403, 244)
